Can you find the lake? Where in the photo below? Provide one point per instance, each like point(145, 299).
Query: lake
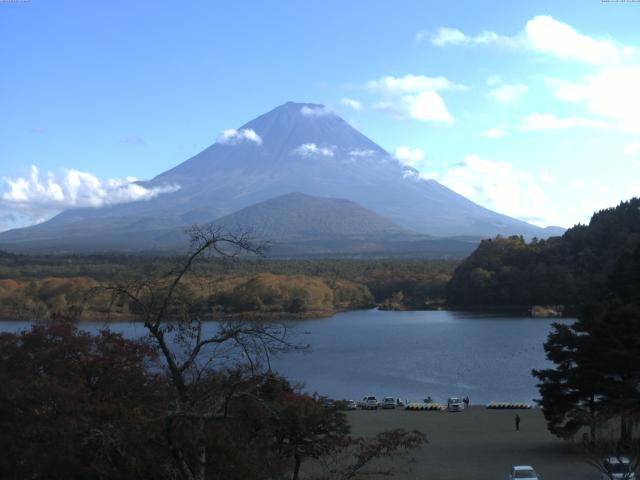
point(409, 354)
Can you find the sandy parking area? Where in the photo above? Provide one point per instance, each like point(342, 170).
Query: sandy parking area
point(476, 444)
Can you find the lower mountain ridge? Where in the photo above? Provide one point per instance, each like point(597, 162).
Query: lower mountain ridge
point(291, 225)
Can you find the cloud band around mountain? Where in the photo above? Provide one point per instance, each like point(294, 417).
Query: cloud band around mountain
point(35, 198)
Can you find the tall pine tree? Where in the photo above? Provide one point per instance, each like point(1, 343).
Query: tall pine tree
point(597, 372)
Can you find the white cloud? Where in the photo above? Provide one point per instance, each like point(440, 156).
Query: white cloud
point(443, 37)
point(409, 156)
point(351, 103)
point(548, 35)
point(542, 34)
point(548, 121)
point(507, 93)
point(452, 36)
point(612, 93)
point(502, 188)
point(313, 150)
point(532, 196)
point(36, 198)
point(426, 106)
point(412, 84)
point(316, 111)
point(362, 153)
point(413, 97)
point(632, 149)
point(495, 132)
point(235, 137)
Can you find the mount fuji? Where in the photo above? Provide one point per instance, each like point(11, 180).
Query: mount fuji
point(300, 148)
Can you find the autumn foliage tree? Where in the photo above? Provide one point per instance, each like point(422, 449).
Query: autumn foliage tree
point(75, 405)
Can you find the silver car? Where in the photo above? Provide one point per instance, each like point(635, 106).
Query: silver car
point(522, 471)
point(389, 402)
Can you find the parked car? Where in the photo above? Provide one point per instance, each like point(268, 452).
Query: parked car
point(369, 402)
point(522, 471)
point(455, 404)
point(351, 405)
point(617, 468)
point(328, 403)
point(389, 402)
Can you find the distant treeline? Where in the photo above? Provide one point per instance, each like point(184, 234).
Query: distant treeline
point(588, 264)
point(41, 286)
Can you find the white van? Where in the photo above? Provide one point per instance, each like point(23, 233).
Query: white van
point(455, 404)
point(369, 402)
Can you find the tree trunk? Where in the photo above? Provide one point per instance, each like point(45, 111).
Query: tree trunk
point(296, 468)
point(624, 430)
point(201, 469)
point(592, 424)
point(183, 466)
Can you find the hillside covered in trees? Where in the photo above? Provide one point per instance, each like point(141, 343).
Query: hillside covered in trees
point(589, 263)
point(44, 286)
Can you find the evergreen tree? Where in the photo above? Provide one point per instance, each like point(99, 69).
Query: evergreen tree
point(570, 392)
point(597, 371)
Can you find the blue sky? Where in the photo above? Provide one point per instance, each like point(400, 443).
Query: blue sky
point(532, 109)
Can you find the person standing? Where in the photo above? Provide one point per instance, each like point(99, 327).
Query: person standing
point(517, 422)
point(466, 402)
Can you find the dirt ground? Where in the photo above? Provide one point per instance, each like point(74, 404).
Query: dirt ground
point(476, 444)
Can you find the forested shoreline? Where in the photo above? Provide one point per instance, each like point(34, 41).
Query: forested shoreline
point(502, 273)
point(588, 264)
point(42, 286)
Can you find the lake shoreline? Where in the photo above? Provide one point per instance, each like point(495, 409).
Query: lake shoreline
point(568, 312)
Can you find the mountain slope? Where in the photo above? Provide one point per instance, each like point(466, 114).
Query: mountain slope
point(293, 148)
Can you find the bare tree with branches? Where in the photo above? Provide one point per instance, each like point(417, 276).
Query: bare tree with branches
point(193, 349)
point(348, 460)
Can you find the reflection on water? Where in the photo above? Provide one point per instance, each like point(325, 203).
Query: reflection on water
point(409, 354)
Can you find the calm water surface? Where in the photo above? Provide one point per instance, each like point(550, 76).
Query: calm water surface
point(409, 354)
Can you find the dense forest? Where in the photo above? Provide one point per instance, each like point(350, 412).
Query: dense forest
point(589, 263)
point(42, 286)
